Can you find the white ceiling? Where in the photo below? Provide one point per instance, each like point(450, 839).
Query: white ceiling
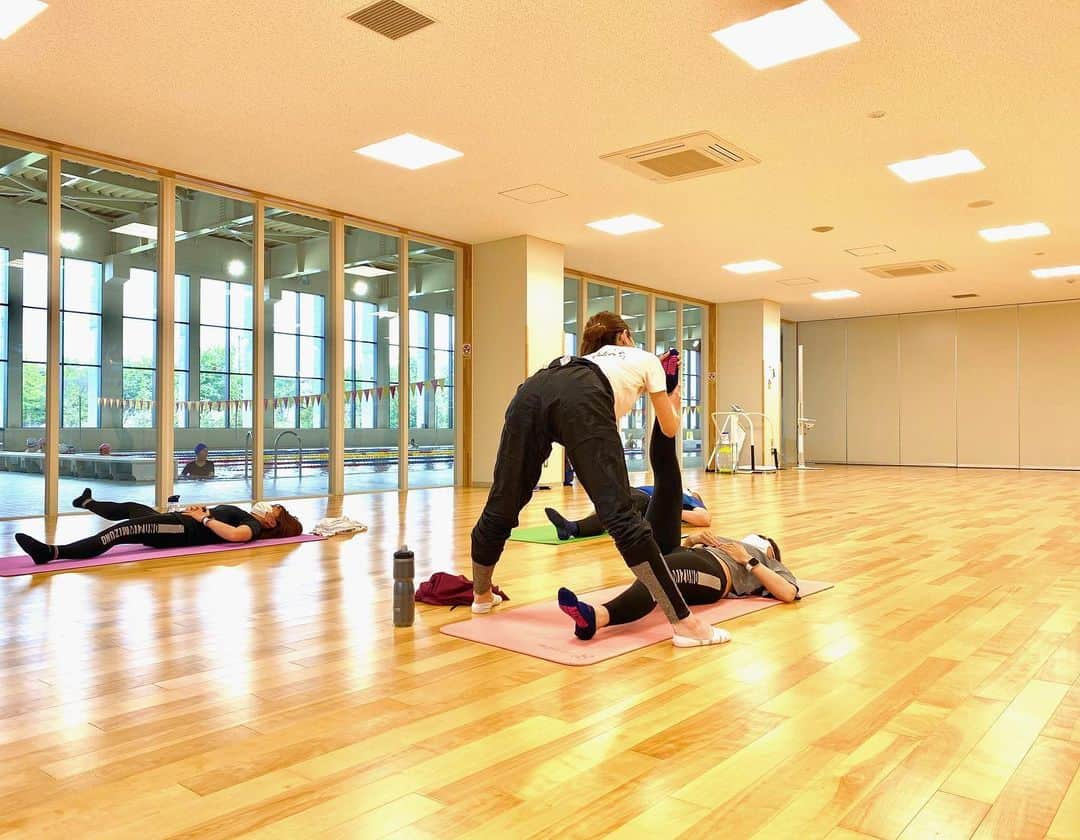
point(265, 96)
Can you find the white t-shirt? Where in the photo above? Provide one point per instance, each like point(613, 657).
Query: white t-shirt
point(631, 372)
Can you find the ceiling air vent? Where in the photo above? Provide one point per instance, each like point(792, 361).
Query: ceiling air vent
point(680, 158)
point(391, 19)
point(965, 295)
point(909, 269)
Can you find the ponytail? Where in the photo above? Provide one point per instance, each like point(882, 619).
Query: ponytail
point(601, 329)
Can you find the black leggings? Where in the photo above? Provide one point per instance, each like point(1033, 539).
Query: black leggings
point(591, 526)
point(570, 402)
point(697, 573)
point(139, 524)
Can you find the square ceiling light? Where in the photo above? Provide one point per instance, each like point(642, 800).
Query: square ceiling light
point(622, 225)
point(937, 166)
point(798, 31)
point(835, 294)
point(409, 152)
point(367, 271)
point(141, 230)
point(1058, 271)
point(1027, 231)
point(15, 14)
point(752, 267)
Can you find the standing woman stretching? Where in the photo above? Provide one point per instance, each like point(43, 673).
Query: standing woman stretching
point(577, 401)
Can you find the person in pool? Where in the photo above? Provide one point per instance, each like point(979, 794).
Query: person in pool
point(202, 466)
point(142, 525)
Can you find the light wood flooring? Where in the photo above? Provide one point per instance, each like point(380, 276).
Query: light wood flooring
point(933, 693)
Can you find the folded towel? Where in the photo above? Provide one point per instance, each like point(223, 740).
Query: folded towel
point(337, 525)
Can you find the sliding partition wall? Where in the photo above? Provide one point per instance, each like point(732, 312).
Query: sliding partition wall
point(656, 324)
point(298, 354)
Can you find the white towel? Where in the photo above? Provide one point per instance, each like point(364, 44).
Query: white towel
point(337, 525)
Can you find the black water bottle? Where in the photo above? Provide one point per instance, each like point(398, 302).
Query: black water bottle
point(404, 570)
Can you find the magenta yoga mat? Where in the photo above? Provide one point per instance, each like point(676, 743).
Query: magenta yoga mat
point(544, 631)
point(20, 564)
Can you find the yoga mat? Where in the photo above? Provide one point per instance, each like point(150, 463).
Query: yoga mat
point(545, 535)
point(544, 631)
point(21, 564)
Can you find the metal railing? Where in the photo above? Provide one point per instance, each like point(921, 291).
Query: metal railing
point(299, 450)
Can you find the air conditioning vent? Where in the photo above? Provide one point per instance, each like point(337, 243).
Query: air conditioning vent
point(965, 295)
point(910, 269)
point(680, 158)
point(391, 19)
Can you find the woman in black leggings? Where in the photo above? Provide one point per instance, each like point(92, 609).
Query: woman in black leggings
point(143, 525)
point(706, 568)
point(577, 401)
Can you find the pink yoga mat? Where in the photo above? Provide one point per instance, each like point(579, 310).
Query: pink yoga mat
point(544, 631)
point(20, 564)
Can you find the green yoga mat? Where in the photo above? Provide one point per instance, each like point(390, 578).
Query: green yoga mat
point(545, 535)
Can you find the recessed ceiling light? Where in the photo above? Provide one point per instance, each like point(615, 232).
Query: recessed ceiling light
point(16, 264)
point(409, 151)
point(752, 266)
point(622, 225)
point(835, 294)
point(1058, 271)
point(798, 31)
point(69, 240)
point(937, 166)
point(236, 268)
point(360, 288)
point(367, 271)
point(1002, 234)
point(141, 230)
point(15, 14)
point(385, 313)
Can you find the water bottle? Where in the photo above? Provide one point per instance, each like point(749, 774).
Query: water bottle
point(404, 570)
point(174, 505)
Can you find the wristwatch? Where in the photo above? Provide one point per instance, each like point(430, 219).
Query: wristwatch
point(753, 561)
point(206, 519)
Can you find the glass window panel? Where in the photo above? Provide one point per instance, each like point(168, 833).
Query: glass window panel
point(367, 322)
point(444, 331)
point(311, 315)
point(3, 275)
point(140, 294)
point(418, 328)
point(285, 361)
point(139, 343)
point(285, 313)
point(80, 396)
point(138, 385)
point(311, 356)
point(366, 360)
point(240, 306)
point(81, 337)
point(81, 285)
point(214, 302)
point(212, 356)
point(180, 340)
point(240, 351)
point(182, 298)
point(180, 395)
point(442, 364)
point(600, 298)
point(35, 279)
point(33, 395)
point(351, 308)
point(35, 340)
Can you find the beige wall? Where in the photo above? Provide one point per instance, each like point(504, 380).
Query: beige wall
point(748, 364)
point(995, 387)
point(928, 389)
point(517, 326)
point(873, 396)
point(825, 389)
point(1049, 391)
point(789, 393)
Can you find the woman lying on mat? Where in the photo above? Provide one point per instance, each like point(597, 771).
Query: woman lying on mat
point(693, 513)
point(706, 568)
point(143, 525)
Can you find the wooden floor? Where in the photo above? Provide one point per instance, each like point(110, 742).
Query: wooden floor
point(933, 693)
